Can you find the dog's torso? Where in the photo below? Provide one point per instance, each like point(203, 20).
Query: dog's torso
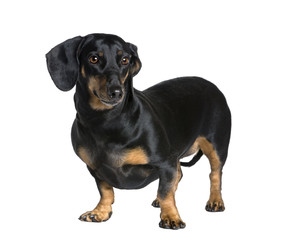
point(156, 126)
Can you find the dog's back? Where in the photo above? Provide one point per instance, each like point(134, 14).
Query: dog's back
point(185, 106)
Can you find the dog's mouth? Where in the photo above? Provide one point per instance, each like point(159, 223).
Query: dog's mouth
point(110, 103)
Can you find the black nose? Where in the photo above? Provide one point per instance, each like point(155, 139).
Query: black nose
point(115, 93)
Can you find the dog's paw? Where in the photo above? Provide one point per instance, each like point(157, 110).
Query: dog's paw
point(215, 205)
point(97, 215)
point(174, 224)
point(155, 203)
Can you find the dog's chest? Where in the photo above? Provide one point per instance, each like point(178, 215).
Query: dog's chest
point(127, 168)
point(114, 158)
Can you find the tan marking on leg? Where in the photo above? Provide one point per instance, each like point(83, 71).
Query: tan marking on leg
point(215, 202)
point(84, 155)
point(178, 177)
point(170, 217)
point(169, 212)
point(103, 210)
point(193, 149)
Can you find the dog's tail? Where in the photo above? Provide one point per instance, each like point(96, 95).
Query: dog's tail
point(195, 159)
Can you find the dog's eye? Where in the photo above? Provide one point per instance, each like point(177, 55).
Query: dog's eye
point(93, 59)
point(125, 60)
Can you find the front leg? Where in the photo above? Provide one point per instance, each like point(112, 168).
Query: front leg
point(103, 211)
point(168, 182)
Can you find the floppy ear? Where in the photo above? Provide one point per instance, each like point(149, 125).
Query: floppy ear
point(135, 61)
point(62, 63)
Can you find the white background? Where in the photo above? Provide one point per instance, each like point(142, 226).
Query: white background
point(238, 45)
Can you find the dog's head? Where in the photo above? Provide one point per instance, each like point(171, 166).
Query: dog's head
point(101, 63)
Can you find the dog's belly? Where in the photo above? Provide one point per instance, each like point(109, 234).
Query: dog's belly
point(127, 176)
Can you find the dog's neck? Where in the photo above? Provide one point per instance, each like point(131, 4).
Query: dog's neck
point(88, 116)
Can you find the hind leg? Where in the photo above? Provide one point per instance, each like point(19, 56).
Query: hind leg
point(215, 202)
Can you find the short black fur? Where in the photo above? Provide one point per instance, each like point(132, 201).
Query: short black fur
point(160, 123)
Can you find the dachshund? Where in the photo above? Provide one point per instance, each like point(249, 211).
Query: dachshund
point(130, 138)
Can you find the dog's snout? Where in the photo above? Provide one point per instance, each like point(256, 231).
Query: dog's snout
point(115, 93)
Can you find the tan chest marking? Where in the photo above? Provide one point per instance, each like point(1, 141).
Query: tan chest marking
point(136, 156)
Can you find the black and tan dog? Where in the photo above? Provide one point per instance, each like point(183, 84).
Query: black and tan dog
point(129, 138)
